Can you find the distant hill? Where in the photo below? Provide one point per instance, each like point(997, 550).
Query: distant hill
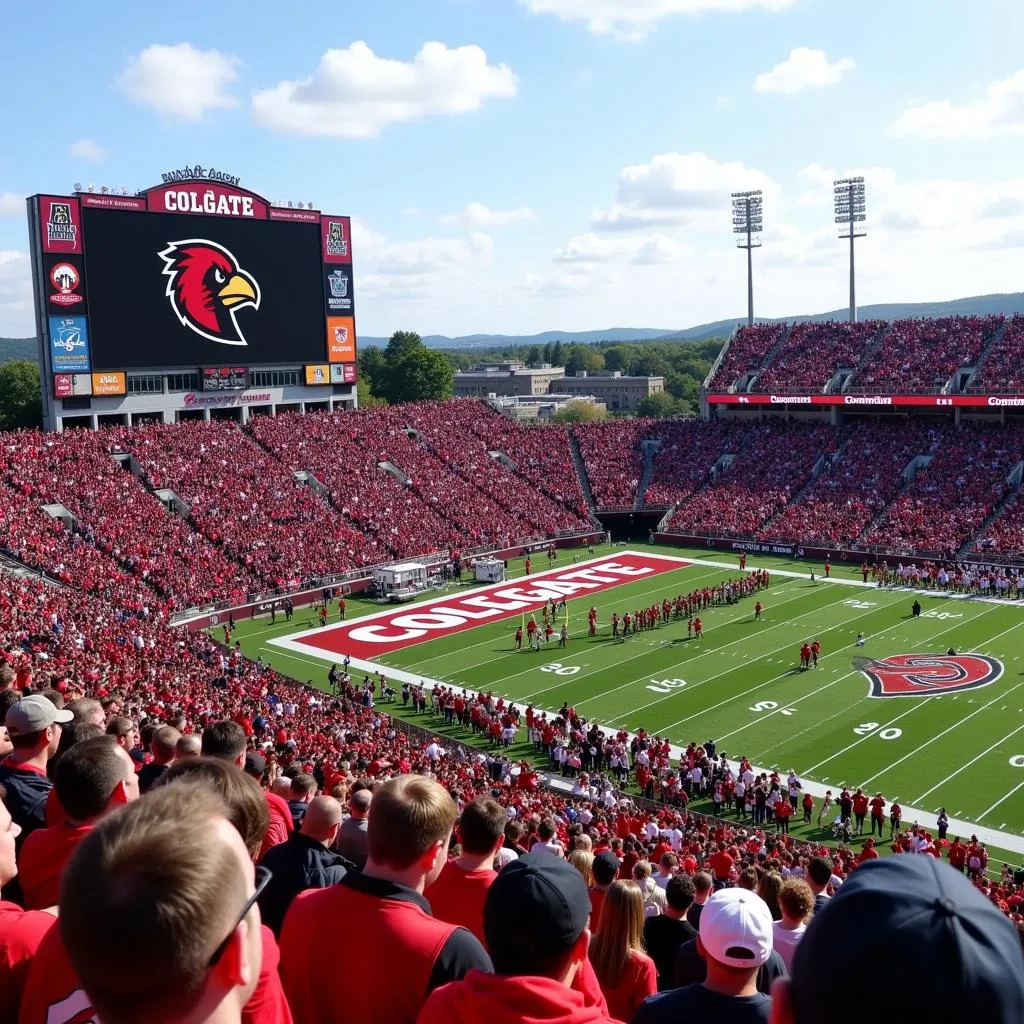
point(17, 348)
point(25, 348)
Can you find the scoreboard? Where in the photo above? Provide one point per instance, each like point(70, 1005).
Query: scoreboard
point(195, 276)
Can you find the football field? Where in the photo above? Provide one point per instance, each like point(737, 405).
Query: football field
point(896, 715)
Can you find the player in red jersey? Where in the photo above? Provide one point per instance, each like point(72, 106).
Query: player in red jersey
point(519, 638)
point(757, 611)
point(805, 656)
point(815, 651)
point(698, 628)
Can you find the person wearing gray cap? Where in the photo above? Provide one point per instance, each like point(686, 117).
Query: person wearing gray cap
point(34, 725)
point(914, 926)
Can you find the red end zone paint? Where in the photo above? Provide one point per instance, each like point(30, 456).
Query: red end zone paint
point(369, 638)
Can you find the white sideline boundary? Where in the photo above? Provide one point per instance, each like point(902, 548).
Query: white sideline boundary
point(911, 815)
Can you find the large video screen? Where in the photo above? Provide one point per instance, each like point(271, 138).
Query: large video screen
point(185, 290)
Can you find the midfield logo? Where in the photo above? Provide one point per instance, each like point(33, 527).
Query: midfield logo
point(929, 675)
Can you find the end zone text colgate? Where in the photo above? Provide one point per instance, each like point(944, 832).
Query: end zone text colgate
point(369, 638)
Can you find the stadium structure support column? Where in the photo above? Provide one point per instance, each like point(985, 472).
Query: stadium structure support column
point(747, 222)
point(851, 210)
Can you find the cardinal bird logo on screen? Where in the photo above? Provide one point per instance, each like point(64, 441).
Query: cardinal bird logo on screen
point(206, 288)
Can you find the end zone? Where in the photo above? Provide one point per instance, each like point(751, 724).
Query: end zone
point(371, 636)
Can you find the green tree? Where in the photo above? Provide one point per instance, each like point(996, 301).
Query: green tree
point(21, 403)
point(400, 344)
point(547, 353)
point(533, 356)
point(556, 353)
point(649, 363)
point(583, 357)
point(660, 406)
point(421, 374)
point(617, 357)
point(371, 366)
point(365, 397)
point(578, 410)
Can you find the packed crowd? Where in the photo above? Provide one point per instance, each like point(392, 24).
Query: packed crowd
point(813, 352)
point(951, 497)
point(1002, 370)
point(775, 462)
point(613, 459)
point(148, 772)
point(747, 351)
point(856, 486)
point(922, 355)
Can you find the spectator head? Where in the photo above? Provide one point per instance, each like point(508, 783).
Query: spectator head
point(9, 832)
point(606, 868)
point(619, 933)
point(34, 725)
point(302, 788)
point(482, 826)
point(900, 918)
point(282, 786)
point(123, 729)
point(409, 825)
point(7, 676)
point(768, 888)
point(55, 697)
point(255, 765)
point(189, 745)
point(734, 938)
point(359, 803)
point(584, 842)
point(322, 819)
point(157, 910)
point(535, 919)
point(641, 871)
point(162, 745)
point(8, 698)
point(242, 796)
point(583, 862)
point(668, 863)
point(225, 740)
point(796, 901)
point(72, 733)
point(86, 709)
point(747, 879)
point(546, 830)
point(819, 874)
point(93, 777)
point(679, 894)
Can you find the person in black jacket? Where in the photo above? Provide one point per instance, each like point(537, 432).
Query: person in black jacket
point(304, 861)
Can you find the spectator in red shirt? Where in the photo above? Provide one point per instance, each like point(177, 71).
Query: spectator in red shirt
point(877, 813)
point(128, 922)
point(161, 746)
point(91, 779)
point(605, 869)
point(327, 932)
point(280, 814)
point(459, 894)
point(626, 973)
point(21, 931)
point(721, 863)
point(860, 810)
point(535, 920)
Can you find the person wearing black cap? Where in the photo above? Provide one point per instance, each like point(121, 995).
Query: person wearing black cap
point(908, 924)
point(535, 921)
point(605, 869)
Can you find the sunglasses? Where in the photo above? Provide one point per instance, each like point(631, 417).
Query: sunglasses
point(263, 877)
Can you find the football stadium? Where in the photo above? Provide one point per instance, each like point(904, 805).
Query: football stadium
point(608, 677)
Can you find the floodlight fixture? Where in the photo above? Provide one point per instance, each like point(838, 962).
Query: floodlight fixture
point(850, 199)
point(748, 223)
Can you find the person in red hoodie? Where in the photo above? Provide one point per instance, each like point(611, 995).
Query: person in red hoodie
point(535, 921)
point(459, 893)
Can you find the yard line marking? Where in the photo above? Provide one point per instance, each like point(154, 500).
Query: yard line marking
point(999, 801)
point(987, 750)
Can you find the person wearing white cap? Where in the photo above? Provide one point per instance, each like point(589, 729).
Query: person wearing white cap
point(735, 940)
point(34, 724)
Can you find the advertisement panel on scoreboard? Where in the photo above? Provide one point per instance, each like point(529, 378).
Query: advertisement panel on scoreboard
point(197, 290)
point(223, 378)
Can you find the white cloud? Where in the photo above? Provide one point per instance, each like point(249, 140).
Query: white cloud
point(87, 149)
point(354, 94)
point(478, 215)
point(633, 19)
point(180, 81)
point(677, 188)
point(1001, 112)
point(593, 248)
point(11, 204)
point(803, 69)
point(16, 316)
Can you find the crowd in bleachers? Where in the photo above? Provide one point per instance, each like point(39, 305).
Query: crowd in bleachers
point(747, 351)
point(922, 355)
point(951, 497)
point(813, 352)
point(776, 460)
point(686, 455)
point(613, 459)
point(1002, 370)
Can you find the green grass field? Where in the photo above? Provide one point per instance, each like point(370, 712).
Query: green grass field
point(741, 685)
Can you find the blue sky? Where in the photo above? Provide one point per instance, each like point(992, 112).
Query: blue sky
point(522, 165)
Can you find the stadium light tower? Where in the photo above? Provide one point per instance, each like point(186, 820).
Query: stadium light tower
point(747, 221)
point(851, 210)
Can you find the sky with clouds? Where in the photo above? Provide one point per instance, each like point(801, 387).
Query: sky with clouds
point(523, 165)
